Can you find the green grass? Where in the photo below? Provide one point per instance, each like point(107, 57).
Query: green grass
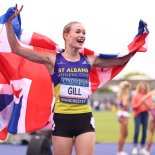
point(107, 127)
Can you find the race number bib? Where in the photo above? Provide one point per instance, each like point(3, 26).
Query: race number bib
point(74, 90)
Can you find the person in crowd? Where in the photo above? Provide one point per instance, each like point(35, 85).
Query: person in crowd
point(151, 119)
point(140, 112)
point(123, 100)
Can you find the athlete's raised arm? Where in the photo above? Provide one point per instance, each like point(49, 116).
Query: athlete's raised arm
point(40, 57)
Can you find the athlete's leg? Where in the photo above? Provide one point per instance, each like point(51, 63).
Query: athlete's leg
point(62, 145)
point(62, 138)
point(85, 143)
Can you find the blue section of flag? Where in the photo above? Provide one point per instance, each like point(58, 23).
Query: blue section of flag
point(17, 26)
point(15, 117)
point(5, 100)
point(5, 17)
point(107, 55)
point(16, 22)
point(142, 27)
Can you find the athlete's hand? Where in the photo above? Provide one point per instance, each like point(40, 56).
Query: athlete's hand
point(16, 13)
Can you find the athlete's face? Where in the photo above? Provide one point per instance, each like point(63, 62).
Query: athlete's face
point(76, 36)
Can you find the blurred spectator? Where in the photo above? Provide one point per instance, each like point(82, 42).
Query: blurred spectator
point(123, 101)
point(151, 120)
point(140, 112)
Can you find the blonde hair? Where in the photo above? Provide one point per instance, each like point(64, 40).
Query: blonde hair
point(67, 27)
point(124, 89)
point(138, 87)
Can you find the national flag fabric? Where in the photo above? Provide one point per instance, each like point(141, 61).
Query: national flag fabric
point(26, 93)
point(29, 91)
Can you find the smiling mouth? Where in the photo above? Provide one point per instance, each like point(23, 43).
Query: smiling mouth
point(80, 41)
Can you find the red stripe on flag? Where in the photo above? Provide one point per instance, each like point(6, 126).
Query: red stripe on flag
point(95, 82)
point(137, 43)
point(42, 41)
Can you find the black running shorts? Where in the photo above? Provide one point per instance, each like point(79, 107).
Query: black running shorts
point(72, 125)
